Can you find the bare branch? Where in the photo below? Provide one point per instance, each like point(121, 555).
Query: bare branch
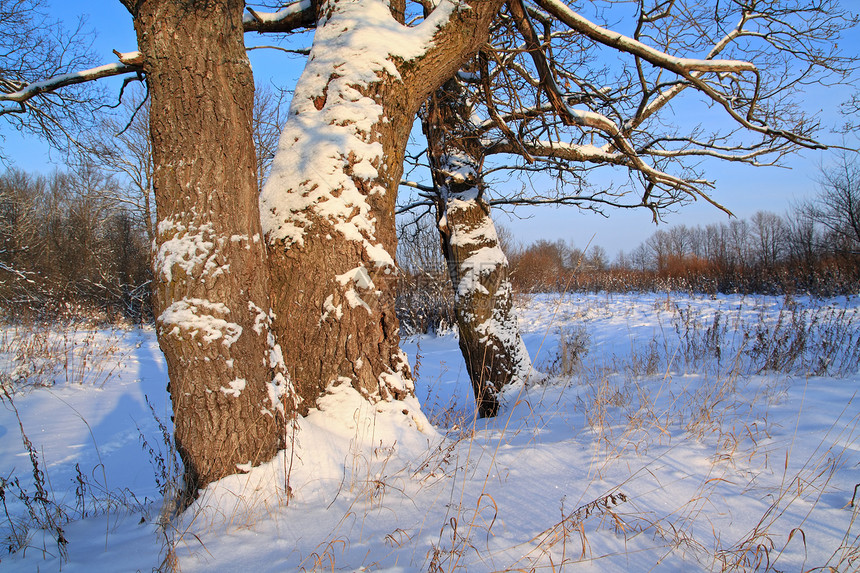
point(684, 67)
point(299, 51)
point(533, 46)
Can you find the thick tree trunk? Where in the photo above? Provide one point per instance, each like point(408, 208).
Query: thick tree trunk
point(328, 213)
point(328, 207)
point(490, 340)
point(227, 380)
point(332, 270)
point(483, 298)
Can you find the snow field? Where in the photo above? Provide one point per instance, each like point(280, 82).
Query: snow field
point(660, 441)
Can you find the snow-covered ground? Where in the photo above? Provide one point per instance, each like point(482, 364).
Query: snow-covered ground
point(675, 433)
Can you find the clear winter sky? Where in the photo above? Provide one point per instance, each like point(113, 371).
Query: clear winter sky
point(742, 189)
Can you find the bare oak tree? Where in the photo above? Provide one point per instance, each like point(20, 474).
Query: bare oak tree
point(328, 207)
point(535, 101)
point(837, 205)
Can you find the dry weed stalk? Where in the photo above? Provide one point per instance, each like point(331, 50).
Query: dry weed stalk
point(40, 355)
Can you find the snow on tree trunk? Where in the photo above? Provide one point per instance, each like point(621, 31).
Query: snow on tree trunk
point(227, 380)
point(483, 297)
point(328, 213)
point(328, 207)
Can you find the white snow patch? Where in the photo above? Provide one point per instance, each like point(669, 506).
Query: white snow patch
point(279, 387)
point(330, 309)
point(290, 9)
point(359, 276)
point(236, 387)
point(187, 249)
point(396, 381)
point(244, 468)
point(328, 142)
point(379, 255)
point(481, 234)
point(458, 167)
point(355, 301)
point(337, 445)
point(197, 317)
point(479, 264)
point(261, 319)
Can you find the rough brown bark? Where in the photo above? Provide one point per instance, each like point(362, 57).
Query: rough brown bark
point(483, 303)
point(483, 300)
point(211, 282)
point(336, 326)
point(331, 327)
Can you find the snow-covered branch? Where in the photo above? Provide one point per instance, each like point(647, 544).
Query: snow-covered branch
point(668, 94)
point(292, 16)
point(128, 63)
point(681, 66)
point(419, 186)
point(295, 15)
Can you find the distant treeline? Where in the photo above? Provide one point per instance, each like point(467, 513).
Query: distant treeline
point(78, 243)
point(768, 254)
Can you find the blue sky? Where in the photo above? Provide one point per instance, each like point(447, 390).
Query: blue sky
point(742, 189)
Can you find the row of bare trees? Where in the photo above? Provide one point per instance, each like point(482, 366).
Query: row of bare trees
point(814, 248)
point(75, 241)
point(68, 245)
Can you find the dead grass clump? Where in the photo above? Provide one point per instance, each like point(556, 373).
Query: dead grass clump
point(573, 346)
point(37, 355)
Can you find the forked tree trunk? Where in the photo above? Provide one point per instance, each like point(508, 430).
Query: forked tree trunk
point(483, 298)
point(227, 382)
point(328, 207)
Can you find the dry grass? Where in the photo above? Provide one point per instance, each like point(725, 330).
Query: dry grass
point(704, 392)
point(41, 355)
point(703, 384)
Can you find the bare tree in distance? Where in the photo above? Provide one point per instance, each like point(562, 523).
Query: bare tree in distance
point(65, 243)
point(425, 302)
point(270, 115)
point(21, 240)
point(836, 206)
point(769, 233)
point(122, 146)
point(536, 104)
